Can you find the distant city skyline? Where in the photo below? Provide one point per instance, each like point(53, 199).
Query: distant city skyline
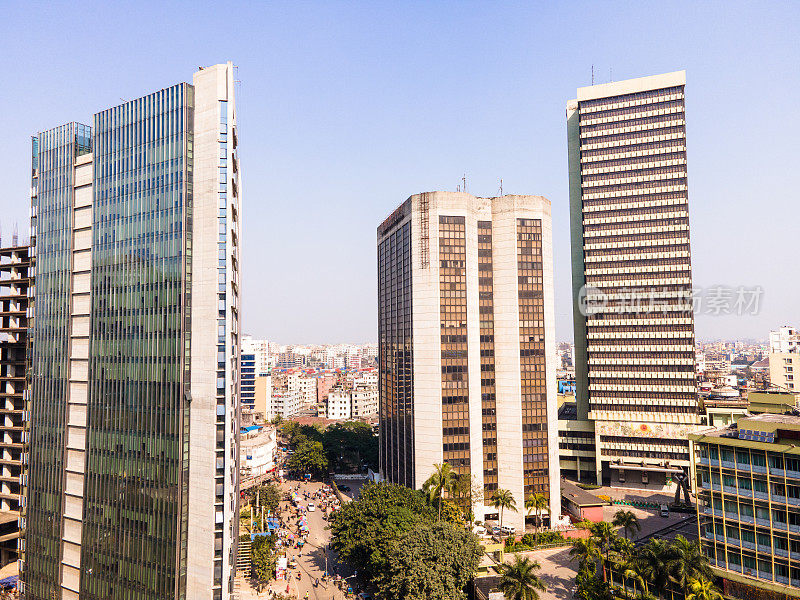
point(352, 108)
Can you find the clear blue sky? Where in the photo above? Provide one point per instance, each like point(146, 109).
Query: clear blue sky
point(348, 108)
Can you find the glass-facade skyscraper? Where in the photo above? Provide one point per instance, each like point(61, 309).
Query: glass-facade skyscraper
point(132, 446)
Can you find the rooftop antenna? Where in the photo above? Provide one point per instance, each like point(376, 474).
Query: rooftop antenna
point(592, 74)
point(501, 187)
point(464, 181)
point(611, 74)
point(15, 237)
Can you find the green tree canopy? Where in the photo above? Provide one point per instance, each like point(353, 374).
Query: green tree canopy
point(263, 557)
point(520, 579)
point(309, 457)
point(627, 521)
point(350, 445)
point(268, 496)
point(431, 562)
point(364, 530)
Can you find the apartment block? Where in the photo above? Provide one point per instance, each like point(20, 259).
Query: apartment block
point(247, 380)
point(748, 502)
point(132, 486)
point(338, 405)
point(631, 275)
point(364, 401)
point(784, 359)
point(15, 271)
point(466, 345)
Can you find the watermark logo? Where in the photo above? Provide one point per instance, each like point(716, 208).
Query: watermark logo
point(717, 300)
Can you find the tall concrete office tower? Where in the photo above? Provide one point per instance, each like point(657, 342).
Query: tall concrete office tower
point(133, 452)
point(632, 276)
point(14, 284)
point(466, 345)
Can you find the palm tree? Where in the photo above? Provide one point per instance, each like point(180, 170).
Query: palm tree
point(440, 482)
point(687, 562)
point(585, 551)
point(627, 521)
point(632, 569)
point(502, 499)
point(703, 589)
point(655, 557)
point(519, 580)
point(538, 502)
point(605, 537)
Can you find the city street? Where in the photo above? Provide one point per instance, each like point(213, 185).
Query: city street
point(310, 560)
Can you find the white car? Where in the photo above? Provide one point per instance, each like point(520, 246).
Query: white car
point(311, 507)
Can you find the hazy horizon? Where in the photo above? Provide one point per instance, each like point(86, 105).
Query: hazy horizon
point(346, 109)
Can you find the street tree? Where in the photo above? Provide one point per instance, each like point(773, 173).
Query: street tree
point(687, 563)
point(263, 557)
point(309, 457)
point(364, 530)
point(502, 500)
point(538, 502)
point(520, 580)
point(268, 496)
point(439, 483)
point(703, 589)
point(431, 562)
point(627, 521)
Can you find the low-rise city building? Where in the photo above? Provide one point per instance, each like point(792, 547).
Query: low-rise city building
point(257, 451)
point(748, 500)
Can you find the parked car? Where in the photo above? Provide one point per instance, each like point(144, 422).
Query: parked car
point(506, 530)
point(311, 507)
point(664, 510)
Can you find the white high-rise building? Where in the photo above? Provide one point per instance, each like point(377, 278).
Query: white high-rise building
point(467, 345)
point(632, 277)
point(133, 479)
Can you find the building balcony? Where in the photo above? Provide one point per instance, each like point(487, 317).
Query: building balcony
point(763, 522)
point(793, 474)
point(732, 516)
point(746, 493)
point(729, 489)
point(777, 472)
point(734, 542)
point(703, 461)
point(793, 501)
point(748, 545)
point(779, 498)
point(761, 495)
point(746, 519)
point(713, 462)
point(783, 580)
point(779, 525)
point(777, 551)
point(759, 469)
point(765, 549)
